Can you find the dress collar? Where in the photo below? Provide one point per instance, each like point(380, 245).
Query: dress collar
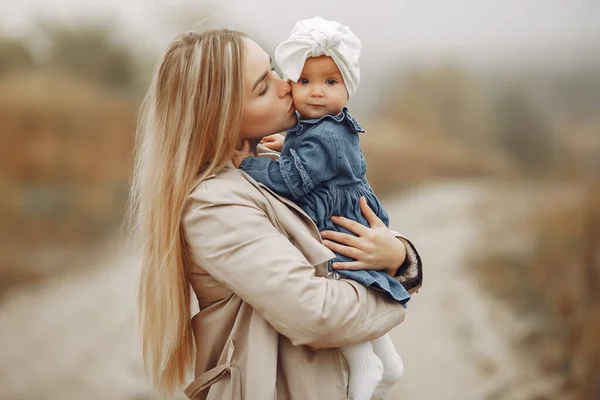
point(303, 124)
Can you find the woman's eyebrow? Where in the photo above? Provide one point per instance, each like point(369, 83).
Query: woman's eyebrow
point(263, 76)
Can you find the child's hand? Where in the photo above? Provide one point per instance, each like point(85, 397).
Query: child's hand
point(240, 155)
point(273, 142)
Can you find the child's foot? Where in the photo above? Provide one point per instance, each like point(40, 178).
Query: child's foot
point(392, 372)
point(392, 366)
point(366, 370)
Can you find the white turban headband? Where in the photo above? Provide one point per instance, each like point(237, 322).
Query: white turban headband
point(316, 37)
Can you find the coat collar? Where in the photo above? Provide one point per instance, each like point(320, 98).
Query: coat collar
point(318, 255)
point(304, 124)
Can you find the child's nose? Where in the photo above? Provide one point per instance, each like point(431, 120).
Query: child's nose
point(316, 92)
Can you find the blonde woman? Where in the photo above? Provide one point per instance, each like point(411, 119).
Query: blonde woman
point(270, 322)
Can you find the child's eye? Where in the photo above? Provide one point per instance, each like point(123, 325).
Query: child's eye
point(331, 81)
point(264, 91)
point(304, 81)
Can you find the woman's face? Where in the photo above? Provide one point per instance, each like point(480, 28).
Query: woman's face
point(268, 106)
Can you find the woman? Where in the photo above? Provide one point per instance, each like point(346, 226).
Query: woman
point(270, 322)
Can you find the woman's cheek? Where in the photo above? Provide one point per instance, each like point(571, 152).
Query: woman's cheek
point(269, 103)
point(259, 110)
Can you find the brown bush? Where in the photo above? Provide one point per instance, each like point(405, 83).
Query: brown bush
point(554, 279)
point(398, 156)
point(65, 159)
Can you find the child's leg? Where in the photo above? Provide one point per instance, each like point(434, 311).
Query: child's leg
point(365, 370)
point(392, 365)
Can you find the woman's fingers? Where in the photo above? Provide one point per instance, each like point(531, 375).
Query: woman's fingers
point(349, 265)
point(245, 150)
point(347, 251)
point(371, 217)
point(246, 146)
point(357, 228)
point(239, 155)
point(342, 238)
point(351, 225)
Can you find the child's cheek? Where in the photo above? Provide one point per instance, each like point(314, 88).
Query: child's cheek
point(299, 95)
point(297, 103)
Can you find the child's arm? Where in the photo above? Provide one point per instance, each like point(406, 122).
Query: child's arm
point(296, 174)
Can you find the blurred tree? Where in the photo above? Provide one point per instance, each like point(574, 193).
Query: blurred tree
point(522, 129)
point(15, 55)
point(91, 51)
point(444, 100)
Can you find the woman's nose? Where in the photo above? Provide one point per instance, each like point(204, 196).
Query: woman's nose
point(283, 87)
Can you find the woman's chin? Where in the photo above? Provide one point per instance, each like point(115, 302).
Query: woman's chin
point(290, 122)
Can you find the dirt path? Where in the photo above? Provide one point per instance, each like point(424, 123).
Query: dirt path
point(456, 340)
point(73, 338)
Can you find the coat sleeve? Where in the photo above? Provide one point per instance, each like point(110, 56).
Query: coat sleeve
point(410, 273)
point(296, 173)
point(234, 241)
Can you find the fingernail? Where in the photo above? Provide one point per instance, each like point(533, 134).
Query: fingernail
point(334, 217)
point(334, 266)
point(323, 233)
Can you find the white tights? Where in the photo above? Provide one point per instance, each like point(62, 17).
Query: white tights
point(374, 367)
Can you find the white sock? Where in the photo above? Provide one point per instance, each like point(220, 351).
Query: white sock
point(392, 365)
point(366, 370)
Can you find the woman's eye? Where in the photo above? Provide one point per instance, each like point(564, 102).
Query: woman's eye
point(331, 81)
point(304, 81)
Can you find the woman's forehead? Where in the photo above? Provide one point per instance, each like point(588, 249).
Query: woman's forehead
point(255, 55)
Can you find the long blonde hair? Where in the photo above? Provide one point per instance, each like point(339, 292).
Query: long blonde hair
point(188, 128)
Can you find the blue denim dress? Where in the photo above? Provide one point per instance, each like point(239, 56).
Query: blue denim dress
point(323, 170)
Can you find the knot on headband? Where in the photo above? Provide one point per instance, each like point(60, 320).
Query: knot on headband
point(322, 42)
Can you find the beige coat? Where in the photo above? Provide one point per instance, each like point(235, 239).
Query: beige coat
point(270, 322)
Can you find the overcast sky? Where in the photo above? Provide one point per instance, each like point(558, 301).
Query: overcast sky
point(411, 27)
point(473, 33)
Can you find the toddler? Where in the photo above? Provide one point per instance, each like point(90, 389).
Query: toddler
point(323, 170)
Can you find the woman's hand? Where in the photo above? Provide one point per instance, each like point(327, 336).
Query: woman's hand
point(375, 248)
point(273, 142)
point(239, 155)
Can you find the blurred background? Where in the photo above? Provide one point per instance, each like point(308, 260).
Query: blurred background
point(483, 141)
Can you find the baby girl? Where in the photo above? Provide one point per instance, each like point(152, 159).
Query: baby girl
point(322, 169)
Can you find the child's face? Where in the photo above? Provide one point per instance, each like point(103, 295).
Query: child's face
point(320, 90)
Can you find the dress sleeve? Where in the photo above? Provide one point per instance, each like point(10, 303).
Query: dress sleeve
point(297, 173)
point(235, 242)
